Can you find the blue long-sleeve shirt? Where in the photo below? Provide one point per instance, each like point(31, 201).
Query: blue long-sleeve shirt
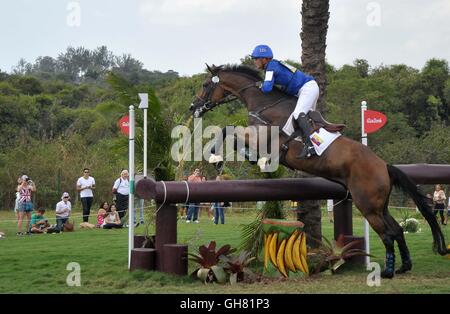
point(289, 78)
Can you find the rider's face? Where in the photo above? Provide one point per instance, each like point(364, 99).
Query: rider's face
point(260, 63)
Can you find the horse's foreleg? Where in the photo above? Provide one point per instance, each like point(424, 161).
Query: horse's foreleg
point(220, 141)
point(243, 148)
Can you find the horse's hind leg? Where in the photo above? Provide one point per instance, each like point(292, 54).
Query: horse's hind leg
point(403, 248)
point(378, 223)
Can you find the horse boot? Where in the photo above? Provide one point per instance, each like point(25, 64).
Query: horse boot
point(406, 262)
point(308, 148)
point(388, 271)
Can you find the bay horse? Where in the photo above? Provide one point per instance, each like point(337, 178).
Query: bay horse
point(366, 176)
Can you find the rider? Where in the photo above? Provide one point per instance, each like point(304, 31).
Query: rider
point(293, 82)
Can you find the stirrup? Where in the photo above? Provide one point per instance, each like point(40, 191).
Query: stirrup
point(306, 152)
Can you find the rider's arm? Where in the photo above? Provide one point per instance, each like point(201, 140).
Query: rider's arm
point(269, 78)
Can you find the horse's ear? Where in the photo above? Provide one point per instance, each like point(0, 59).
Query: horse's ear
point(209, 69)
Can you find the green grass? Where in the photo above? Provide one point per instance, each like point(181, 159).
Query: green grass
point(37, 264)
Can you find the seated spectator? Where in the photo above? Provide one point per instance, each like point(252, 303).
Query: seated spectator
point(63, 209)
point(38, 223)
point(101, 214)
point(112, 219)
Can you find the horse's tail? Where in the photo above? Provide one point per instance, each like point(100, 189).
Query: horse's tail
point(401, 180)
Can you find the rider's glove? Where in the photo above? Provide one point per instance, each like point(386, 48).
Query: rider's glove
point(258, 84)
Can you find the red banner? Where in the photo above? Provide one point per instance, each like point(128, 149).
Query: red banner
point(373, 121)
point(124, 125)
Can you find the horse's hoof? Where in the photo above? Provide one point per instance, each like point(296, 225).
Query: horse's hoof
point(219, 166)
point(387, 274)
point(404, 268)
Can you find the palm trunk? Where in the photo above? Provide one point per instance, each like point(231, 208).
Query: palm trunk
point(315, 17)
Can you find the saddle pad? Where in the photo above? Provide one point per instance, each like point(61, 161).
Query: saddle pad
point(321, 139)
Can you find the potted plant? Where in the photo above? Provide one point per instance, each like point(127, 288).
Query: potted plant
point(208, 258)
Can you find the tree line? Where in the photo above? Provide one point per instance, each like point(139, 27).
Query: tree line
point(59, 115)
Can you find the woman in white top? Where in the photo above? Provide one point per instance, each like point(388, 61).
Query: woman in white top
point(112, 219)
point(439, 202)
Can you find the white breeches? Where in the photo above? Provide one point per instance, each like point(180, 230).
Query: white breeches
point(307, 100)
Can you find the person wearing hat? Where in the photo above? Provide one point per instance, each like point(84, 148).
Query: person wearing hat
point(63, 209)
point(25, 188)
point(295, 83)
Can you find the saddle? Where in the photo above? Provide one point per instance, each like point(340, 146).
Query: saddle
point(317, 122)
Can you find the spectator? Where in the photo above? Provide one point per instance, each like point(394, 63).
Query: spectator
point(121, 190)
point(439, 202)
point(206, 206)
point(38, 222)
point(219, 208)
point(184, 207)
point(330, 205)
point(448, 211)
point(85, 185)
point(63, 209)
point(112, 219)
point(16, 204)
point(101, 214)
point(193, 208)
point(25, 188)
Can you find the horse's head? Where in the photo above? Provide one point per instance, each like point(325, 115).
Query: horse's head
point(211, 94)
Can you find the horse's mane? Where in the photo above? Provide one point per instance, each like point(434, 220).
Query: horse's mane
point(250, 71)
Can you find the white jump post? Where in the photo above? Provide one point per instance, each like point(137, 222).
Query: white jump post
point(364, 142)
point(144, 105)
point(131, 196)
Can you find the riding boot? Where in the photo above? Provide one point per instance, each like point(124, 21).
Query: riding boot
point(308, 148)
point(406, 262)
point(388, 271)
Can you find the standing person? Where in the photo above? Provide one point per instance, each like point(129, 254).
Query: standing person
point(330, 205)
point(448, 211)
point(63, 209)
point(193, 207)
point(439, 202)
point(16, 203)
point(219, 208)
point(121, 189)
point(85, 185)
point(25, 188)
point(293, 82)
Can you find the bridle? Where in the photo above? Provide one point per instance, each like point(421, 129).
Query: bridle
point(228, 96)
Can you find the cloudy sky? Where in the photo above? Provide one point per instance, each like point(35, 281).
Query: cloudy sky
point(182, 35)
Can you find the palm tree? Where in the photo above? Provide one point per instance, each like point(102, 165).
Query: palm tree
point(315, 17)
